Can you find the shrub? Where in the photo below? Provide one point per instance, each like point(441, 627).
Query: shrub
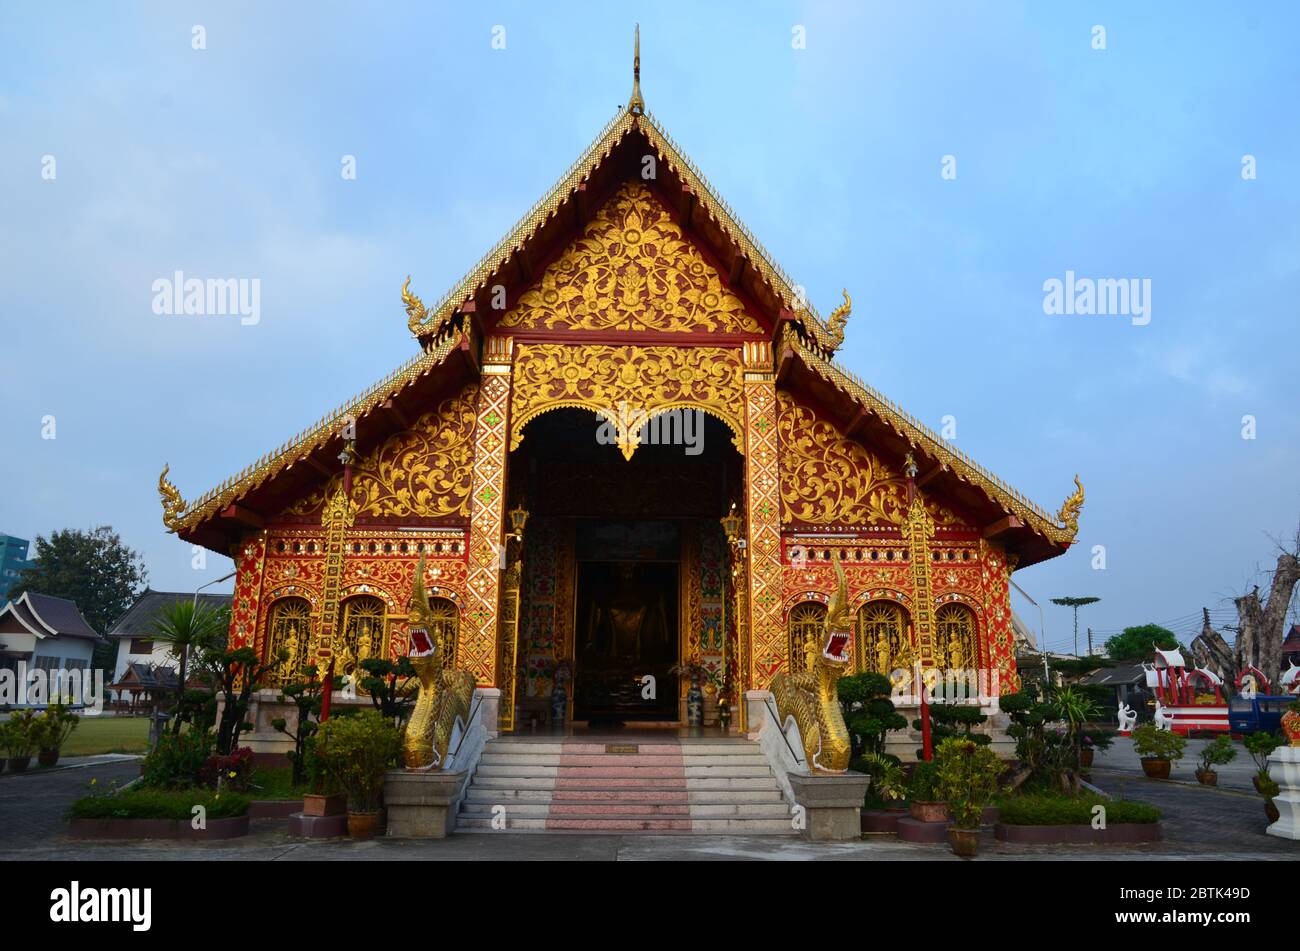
point(1151, 742)
point(868, 711)
point(20, 735)
point(1045, 809)
point(1217, 753)
point(1260, 746)
point(888, 783)
point(177, 761)
point(967, 775)
point(233, 772)
point(356, 751)
point(139, 803)
point(923, 784)
point(52, 729)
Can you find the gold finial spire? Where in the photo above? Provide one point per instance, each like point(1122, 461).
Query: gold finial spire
point(636, 105)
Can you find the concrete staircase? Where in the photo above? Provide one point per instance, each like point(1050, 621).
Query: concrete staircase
point(620, 784)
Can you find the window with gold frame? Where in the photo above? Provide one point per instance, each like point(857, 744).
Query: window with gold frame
point(446, 629)
point(288, 629)
point(956, 638)
point(883, 644)
point(363, 632)
point(807, 619)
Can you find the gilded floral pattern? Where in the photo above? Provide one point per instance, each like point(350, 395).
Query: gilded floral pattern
point(422, 471)
point(631, 270)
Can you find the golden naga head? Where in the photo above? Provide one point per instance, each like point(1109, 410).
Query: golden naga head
point(424, 643)
point(416, 315)
point(836, 321)
point(172, 503)
point(1068, 515)
point(839, 622)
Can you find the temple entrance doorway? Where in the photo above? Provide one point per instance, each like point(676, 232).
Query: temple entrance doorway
point(624, 573)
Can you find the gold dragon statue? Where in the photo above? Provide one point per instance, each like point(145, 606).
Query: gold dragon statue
point(836, 321)
point(810, 695)
point(1070, 508)
point(172, 502)
point(444, 695)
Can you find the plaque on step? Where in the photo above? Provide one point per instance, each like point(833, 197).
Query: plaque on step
point(622, 749)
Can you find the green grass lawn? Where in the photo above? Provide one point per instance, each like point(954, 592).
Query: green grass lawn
point(274, 782)
point(108, 735)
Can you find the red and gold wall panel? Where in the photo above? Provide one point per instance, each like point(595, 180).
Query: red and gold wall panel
point(768, 652)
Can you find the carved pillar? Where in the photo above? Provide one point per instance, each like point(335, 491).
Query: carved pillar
point(478, 652)
point(996, 568)
point(337, 518)
point(250, 565)
point(917, 531)
point(767, 645)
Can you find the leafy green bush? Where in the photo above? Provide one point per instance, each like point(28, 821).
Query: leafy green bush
point(888, 782)
point(923, 784)
point(1260, 746)
point(356, 751)
point(1217, 753)
point(1151, 742)
point(19, 735)
point(140, 803)
point(967, 778)
point(1045, 809)
point(868, 712)
point(52, 729)
point(177, 761)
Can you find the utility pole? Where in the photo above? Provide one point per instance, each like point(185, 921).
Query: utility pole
point(1076, 603)
point(1089, 642)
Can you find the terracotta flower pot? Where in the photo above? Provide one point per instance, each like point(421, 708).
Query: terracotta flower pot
point(964, 842)
point(1156, 768)
point(364, 825)
point(929, 811)
point(1207, 777)
point(1085, 758)
point(1291, 727)
point(314, 804)
point(19, 764)
point(1270, 810)
point(48, 757)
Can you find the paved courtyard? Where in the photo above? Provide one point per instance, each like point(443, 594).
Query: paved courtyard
point(1200, 822)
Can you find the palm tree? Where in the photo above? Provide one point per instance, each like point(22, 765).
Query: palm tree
point(185, 625)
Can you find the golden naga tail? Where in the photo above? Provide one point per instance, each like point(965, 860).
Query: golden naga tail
point(811, 696)
point(444, 694)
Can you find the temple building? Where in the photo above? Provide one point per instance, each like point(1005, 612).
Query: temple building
point(623, 447)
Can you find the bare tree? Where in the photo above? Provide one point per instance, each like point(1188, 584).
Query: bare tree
point(1263, 626)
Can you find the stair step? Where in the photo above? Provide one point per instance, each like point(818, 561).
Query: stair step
point(695, 784)
point(557, 810)
point(503, 794)
point(633, 825)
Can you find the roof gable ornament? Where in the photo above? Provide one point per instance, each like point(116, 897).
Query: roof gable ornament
point(636, 105)
point(836, 322)
point(1068, 516)
point(173, 504)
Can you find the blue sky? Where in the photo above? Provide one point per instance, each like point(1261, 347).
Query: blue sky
point(1116, 163)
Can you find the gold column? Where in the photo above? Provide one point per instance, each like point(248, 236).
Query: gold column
point(767, 647)
point(336, 520)
point(917, 530)
point(478, 648)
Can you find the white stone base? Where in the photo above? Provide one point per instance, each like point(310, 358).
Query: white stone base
point(1284, 767)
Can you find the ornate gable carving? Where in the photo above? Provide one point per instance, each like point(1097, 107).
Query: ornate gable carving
point(829, 479)
point(631, 270)
point(423, 471)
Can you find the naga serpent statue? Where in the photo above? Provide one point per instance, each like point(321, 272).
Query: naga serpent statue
point(444, 694)
point(810, 696)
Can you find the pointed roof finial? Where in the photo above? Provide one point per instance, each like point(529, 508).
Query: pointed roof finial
point(636, 105)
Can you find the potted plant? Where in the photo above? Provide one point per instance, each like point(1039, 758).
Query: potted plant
point(924, 801)
point(1216, 753)
point(697, 673)
point(20, 739)
point(51, 731)
point(1260, 746)
point(1094, 741)
point(1158, 748)
point(324, 798)
point(967, 774)
point(1291, 723)
point(357, 751)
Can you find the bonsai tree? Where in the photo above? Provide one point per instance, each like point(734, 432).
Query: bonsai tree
point(1151, 742)
point(308, 697)
point(234, 674)
point(1216, 753)
point(1260, 746)
point(390, 686)
point(356, 751)
point(868, 713)
point(966, 775)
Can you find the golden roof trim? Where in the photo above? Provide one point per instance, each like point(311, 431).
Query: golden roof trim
point(1060, 530)
point(307, 441)
point(623, 123)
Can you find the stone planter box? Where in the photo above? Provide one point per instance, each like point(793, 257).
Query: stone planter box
point(881, 821)
point(273, 808)
point(230, 828)
point(318, 827)
point(913, 830)
point(1126, 833)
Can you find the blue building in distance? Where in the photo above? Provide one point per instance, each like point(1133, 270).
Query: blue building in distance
point(13, 559)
